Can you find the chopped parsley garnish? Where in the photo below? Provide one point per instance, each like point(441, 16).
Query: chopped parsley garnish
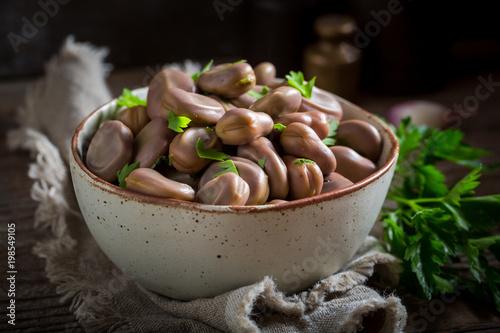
point(257, 95)
point(262, 163)
point(209, 153)
point(177, 123)
point(228, 166)
point(329, 140)
point(302, 161)
point(296, 80)
point(279, 127)
point(124, 172)
point(195, 76)
point(128, 99)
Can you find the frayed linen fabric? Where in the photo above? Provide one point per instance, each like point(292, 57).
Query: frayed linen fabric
point(103, 299)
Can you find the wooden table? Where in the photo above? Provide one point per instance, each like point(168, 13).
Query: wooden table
point(38, 306)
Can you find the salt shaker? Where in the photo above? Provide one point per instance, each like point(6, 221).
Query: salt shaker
point(334, 61)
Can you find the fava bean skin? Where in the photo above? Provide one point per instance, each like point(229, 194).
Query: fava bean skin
point(262, 149)
point(361, 136)
point(183, 154)
point(280, 101)
point(251, 173)
point(324, 102)
point(265, 73)
point(163, 80)
point(135, 118)
point(110, 149)
point(239, 126)
point(152, 142)
point(335, 181)
point(317, 120)
point(352, 165)
point(202, 110)
point(305, 179)
point(149, 181)
point(227, 189)
point(228, 80)
point(245, 100)
point(300, 140)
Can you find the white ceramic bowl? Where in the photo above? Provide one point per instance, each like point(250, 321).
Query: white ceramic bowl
point(187, 250)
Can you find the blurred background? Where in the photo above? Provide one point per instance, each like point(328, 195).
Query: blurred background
point(394, 47)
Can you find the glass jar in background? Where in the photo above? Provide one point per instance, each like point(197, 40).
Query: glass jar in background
point(334, 61)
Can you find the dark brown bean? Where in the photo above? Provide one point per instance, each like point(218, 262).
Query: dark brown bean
point(304, 177)
point(240, 126)
point(352, 165)
point(279, 101)
point(227, 189)
point(300, 140)
point(163, 80)
point(322, 101)
point(152, 142)
point(149, 181)
point(135, 118)
point(361, 136)
point(335, 181)
point(245, 100)
point(110, 149)
point(228, 80)
point(317, 120)
point(202, 110)
point(261, 149)
point(183, 154)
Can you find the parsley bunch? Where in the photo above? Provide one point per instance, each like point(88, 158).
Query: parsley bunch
point(434, 228)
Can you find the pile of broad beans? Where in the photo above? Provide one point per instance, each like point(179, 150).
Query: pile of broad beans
point(233, 135)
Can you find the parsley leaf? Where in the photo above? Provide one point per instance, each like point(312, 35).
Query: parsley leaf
point(432, 225)
point(329, 140)
point(257, 95)
point(279, 127)
point(124, 172)
point(228, 166)
point(195, 76)
point(302, 161)
point(128, 99)
point(209, 153)
point(262, 163)
point(296, 80)
point(177, 123)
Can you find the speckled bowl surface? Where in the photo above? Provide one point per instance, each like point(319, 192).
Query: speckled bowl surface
point(187, 250)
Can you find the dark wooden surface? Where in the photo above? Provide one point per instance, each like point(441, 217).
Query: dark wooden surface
point(38, 306)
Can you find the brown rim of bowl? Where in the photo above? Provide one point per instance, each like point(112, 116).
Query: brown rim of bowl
point(135, 196)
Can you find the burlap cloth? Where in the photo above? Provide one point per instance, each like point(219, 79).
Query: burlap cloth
point(104, 300)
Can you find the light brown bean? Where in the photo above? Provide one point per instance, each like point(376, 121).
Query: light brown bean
point(149, 181)
point(352, 165)
point(317, 120)
point(182, 151)
point(280, 101)
point(110, 149)
point(262, 149)
point(202, 110)
point(322, 101)
point(361, 136)
point(228, 80)
point(304, 177)
point(300, 140)
point(152, 142)
point(335, 181)
point(163, 80)
point(135, 118)
point(240, 126)
point(227, 189)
